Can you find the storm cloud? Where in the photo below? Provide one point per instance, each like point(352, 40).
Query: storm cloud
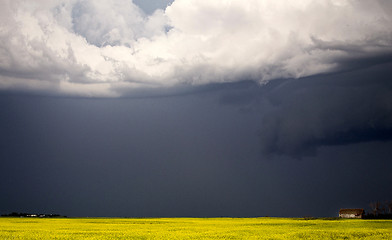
point(338, 109)
point(194, 107)
point(93, 48)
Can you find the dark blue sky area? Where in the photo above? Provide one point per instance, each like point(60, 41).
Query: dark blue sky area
point(149, 6)
point(303, 147)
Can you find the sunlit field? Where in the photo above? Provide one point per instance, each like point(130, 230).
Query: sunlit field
point(193, 228)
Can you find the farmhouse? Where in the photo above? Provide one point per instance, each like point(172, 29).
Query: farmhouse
point(351, 213)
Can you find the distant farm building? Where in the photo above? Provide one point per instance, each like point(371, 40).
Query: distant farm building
point(351, 213)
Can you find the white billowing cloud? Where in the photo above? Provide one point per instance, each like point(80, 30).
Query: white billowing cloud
point(101, 48)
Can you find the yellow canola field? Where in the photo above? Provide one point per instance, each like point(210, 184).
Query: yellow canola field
point(193, 228)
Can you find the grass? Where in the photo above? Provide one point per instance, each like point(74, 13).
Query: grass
point(193, 228)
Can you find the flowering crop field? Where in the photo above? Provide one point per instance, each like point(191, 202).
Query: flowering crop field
point(193, 228)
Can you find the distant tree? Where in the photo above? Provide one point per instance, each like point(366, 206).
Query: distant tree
point(375, 206)
point(389, 206)
point(14, 214)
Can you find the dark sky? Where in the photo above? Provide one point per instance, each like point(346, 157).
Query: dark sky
point(195, 107)
point(221, 150)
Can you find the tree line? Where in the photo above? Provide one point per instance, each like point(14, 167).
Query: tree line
point(16, 214)
point(381, 210)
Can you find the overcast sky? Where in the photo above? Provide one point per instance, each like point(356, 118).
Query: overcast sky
point(194, 107)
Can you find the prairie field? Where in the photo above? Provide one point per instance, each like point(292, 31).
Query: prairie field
point(193, 228)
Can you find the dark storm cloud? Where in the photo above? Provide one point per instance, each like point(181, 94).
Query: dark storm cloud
point(195, 133)
point(127, 157)
point(358, 55)
point(337, 109)
point(185, 155)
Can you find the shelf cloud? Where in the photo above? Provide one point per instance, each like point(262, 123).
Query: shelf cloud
point(333, 110)
point(102, 49)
